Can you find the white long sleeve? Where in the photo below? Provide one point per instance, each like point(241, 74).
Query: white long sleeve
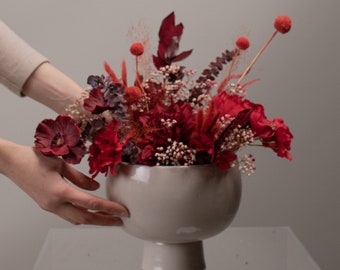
point(18, 60)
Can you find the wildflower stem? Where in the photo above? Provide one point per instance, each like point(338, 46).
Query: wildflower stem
point(227, 78)
point(137, 64)
point(255, 58)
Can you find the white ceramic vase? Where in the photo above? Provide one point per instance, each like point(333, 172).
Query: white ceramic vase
point(174, 208)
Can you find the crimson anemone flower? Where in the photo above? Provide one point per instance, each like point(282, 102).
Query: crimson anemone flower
point(60, 137)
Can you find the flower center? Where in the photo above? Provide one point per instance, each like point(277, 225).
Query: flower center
point(58, 140)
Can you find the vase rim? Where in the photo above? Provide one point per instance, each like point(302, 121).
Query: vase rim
point(209, 166)
point(169, 166)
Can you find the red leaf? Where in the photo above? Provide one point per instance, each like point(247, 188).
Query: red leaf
point(181, 56)
point(168, 45)
point(111, 73)
point(124, 73)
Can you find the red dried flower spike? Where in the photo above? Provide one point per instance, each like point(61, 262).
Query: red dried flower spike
point(242, 43)
point(283, 24)
point(137, 49)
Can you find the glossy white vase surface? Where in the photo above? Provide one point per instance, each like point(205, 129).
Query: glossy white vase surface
point(174, 208)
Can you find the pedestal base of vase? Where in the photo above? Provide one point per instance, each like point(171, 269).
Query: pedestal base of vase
point(180, 256)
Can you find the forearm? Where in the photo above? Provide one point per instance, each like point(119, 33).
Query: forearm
point(52, 88)
point(26, 72)
point(8, 151)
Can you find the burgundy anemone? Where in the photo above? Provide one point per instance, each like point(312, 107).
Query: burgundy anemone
point(60, 137)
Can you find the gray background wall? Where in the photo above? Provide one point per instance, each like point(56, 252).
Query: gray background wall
point(299, 82)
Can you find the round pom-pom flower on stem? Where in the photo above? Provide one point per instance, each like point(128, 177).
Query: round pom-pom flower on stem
point(137, 49)
point(242, 43)
point(282, 24)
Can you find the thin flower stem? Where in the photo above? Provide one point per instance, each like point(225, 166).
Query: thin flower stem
point(139, 83)
point(227, 78)
point(137, 64)
point(232, 65)
point(255, 58)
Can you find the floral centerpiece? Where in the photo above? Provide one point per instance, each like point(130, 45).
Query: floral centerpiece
point(170, 117)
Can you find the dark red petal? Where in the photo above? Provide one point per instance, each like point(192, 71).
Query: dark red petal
point(57, 150)
point(76, 153)
point(70, 130)
point(44, 135)
point(166, 24)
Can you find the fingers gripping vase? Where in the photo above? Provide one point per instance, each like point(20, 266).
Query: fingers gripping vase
point(174, 208)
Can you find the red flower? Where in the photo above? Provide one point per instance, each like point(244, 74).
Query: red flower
point(260, 125)
point(157, 132)
point(273, 133)
point(137, 49)
point(106, 150)
point(224, 159)
point(147, 155)
point(203, 137)
point(242, 43)
point(229, 104)
point(60, 137)
point(281, 140)
point(283, 24)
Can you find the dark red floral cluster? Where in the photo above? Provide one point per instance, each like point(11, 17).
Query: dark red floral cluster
point(168, 119)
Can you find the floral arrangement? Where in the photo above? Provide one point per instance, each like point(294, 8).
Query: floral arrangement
point(170, 117)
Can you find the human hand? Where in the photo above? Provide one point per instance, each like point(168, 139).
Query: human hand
point(42, 178)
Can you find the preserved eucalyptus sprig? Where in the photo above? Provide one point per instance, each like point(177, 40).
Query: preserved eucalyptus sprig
point(212, 72)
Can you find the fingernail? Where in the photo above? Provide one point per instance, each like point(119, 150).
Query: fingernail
point(123, 214)
point(94, 185)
